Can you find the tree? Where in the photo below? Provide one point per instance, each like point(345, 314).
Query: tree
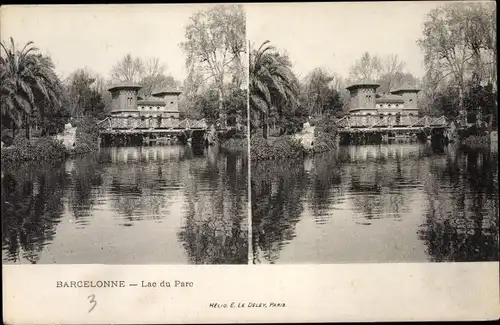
point(84, 95)
point(395, 80)
point(457, 40)
point(320, 92)
point(149, 74)
point(28, 84)
point(273, 85)
point(367, 68)
point(392, 75)
point(129, 69)
point(215, 42)
point(153, 77)
point(152, 83)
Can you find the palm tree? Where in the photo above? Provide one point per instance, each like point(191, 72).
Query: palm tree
point(272, 83)
point(28, 84)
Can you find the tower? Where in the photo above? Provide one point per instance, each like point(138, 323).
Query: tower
point(409, 96)
point(362, 97)
point(124, 97)
point(171, 99)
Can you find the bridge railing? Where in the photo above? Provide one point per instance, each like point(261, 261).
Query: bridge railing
point(133, 123)
point(378, 121)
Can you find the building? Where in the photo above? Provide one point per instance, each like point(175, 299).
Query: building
point(365, 101)
point(126, 103)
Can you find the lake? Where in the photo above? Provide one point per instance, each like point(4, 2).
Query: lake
point(128, 205)
point(401, 202)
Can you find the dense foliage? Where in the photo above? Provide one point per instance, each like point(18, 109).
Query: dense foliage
point(325, 135)
point(215, 49)
point(273, 86)
point(283, 147)
point(29, 86)
point(47, 148)
point(459, 42)
point(44, 148)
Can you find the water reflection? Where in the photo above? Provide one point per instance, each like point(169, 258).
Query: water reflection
point(385, 203)
point(164, 205)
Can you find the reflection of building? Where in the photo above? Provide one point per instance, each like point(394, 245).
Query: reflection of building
point(126, 103)
point(365, 101)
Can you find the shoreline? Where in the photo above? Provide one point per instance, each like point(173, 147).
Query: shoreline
point(48, 149)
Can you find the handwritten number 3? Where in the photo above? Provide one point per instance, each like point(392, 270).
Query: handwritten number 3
point(92, 301)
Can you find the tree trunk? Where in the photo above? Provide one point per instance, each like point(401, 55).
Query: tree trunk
point(462, 113)
point(265, 125)
point(13, 128)
point(222, 111)
point(28, 126)
point(42, 121)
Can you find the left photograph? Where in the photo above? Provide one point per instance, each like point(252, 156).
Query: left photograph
point(124, 134)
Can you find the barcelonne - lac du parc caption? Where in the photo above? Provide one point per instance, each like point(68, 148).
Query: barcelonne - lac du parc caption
point(123, 284)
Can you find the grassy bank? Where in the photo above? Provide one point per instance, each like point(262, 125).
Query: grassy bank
point(325, 139)
point(233, 141)
point(474, 137)
point(49, 149)
point(236, 144)
point(275, 148)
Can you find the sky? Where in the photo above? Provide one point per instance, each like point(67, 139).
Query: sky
point(98, 36)
point(328, 35)
point(334, 35)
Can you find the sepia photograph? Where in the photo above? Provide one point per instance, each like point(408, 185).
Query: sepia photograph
point(374, 132)
point(249, 163)
point(124, 136)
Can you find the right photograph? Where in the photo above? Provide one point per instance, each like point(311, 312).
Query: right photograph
point(373, 132)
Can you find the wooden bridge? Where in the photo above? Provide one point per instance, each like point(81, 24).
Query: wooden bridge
point(131, 125)
point(140, 130)
point(389, 123)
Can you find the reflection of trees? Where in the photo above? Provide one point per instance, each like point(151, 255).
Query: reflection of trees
point(215, 230)
point(325, 185)
point(214, 186)
point(86, 186)
point(378, 176)
point(277, 193)
point(31, 209)
point(141, 180)
point(462, 224)
point(379, 182)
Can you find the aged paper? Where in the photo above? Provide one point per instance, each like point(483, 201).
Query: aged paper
point(280, 162)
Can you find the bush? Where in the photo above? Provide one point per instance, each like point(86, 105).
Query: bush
point(87, 134)
point(472, 131)
point(48, 148)
point(293, 124)
point(325, 135)
point(45, 148)
point(236, 143)
point(283, 147)
point(7, 140)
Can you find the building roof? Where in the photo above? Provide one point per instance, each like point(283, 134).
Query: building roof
point(124, 85)
point(405, 90)
point(166, 91)
point(363, 84)
point(388, 98)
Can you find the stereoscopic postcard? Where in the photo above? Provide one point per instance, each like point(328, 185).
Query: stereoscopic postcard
point(271, 162)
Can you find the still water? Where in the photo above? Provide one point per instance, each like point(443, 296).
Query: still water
point(128, 205)
point(381, 203)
